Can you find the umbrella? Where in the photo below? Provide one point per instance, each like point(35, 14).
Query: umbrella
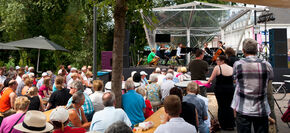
point(4, 47)
point(36, 43)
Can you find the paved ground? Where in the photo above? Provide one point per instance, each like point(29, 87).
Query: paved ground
point(283, 128)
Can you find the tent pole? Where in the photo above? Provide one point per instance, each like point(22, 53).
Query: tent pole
point(95, 44)
point(38, 60)
point(188, 45)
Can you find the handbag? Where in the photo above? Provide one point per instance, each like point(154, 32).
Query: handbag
point(286, 116)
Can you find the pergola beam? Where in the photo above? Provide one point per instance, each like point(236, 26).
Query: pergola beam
point(194, 9)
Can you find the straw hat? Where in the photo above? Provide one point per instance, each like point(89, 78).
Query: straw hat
point(34, 122)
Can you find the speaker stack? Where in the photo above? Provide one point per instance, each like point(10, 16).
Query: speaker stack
point(278, 48)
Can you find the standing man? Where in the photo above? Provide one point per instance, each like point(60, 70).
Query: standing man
point(250, 99)
point(153, 58)
point(179, 55)
point(198, 68)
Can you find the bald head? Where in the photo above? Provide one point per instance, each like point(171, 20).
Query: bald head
point(108, 99)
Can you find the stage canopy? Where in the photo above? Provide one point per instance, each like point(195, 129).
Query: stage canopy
point(196, 22)
point(273, 3)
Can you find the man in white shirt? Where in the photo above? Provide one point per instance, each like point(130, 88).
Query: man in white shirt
point(84, 71)
point(104, 118)
point(68, 77)
point(2, 77)
point(166, 85)
point(174, 123)
point(40, 82)
point(179, 55)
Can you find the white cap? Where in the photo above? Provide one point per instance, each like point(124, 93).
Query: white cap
point(73, 69)
point(157, 70)
point(59, 114)
point(59, 71)
point(44, 74)
point(31, 75)
point(143, 73)
point(30, 68)
point(17, 67)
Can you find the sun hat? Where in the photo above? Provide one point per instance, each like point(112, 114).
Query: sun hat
point(17, 67)
point(59, 114)
point(44, 74)
point(73, 69)
point(34, 122)
point(143, 73)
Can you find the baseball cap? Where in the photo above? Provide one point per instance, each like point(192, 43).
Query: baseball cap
point(59, 114)
point(143, 73)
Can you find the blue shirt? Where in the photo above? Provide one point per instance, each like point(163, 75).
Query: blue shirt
point(106, 117)
point(54, 88)
point(133, 104)
point(88, 106)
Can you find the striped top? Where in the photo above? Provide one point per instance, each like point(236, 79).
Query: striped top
point(250, 97)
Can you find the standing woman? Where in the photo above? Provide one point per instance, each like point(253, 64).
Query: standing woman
point(231, 55)
point(224, 91)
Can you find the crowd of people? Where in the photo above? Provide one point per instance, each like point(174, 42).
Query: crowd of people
point(81, 104)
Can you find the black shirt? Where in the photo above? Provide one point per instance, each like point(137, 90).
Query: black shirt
point(59, 98)
point(188, 113)
point(34, 103)
point(198, 69)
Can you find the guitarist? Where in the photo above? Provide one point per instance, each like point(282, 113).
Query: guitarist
point(220, 51)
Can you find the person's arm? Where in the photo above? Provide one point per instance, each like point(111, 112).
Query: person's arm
point(196, 118)
point(12, 97)
point(73, 117)
point(48, 106)
point(213, 75)
point(45, 93)
point(41, 104)
point(85, 122)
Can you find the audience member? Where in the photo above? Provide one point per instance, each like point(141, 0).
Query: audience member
point(88, 105)
point(250, 97)
point(104, 118)
point(21, 106)
point(40, 82)
point(143, 78)
point(2, 77)
point(36, 102)
point(148, 110)
point(28, 83)
point(154, 93)
point(8, 97)
point(198, 69)
point(188, 111)
point(77, 116)
point(74, 77)
point(183, 74)
point(59, 119)
point(59, 97)
point(166, 85)
point(71, 71)
point(199, 104)
point(96, 97)
point(175, 79)
point(44, 90)
point(231, 55)
point(119, 127)
point(21, 85)
point(174, 124)
point(34, 122)
point(133, 104)
point(224, 91)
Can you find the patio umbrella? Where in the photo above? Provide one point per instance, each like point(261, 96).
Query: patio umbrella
point(36, 43)
point(4, 47)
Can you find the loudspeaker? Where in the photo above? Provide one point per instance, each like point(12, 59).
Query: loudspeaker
point(162, 38)
point(278, 48)
point(107, 58)
point(126, 57)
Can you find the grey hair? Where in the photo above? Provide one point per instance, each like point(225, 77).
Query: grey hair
point(153, 78)
point(192, 87)
point(108, 100)
point(78, 97)
point(78, 85)
point(119, 127)
point(250, 46)
point(129, 84)
point(169, 76)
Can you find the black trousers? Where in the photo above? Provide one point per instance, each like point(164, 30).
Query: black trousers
point(244, 124)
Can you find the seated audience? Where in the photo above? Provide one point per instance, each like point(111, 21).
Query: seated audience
point(88, 105)
point(28, 83)
point(133, 104)
point(96, 97)
point(34, 122)
point(36, 102)
point(21, 85)
point(21, 106)
point(154, 93)
point(44, 90)
point(59, 120)
point(174, 123)
point(119, 127)
point(104, 118)
point(8, 97)
point(40, 81)
point(74, 77)
point(188, 110)
point(59, 97)
point(148, 109)
point(143, 78)
point(183, 74)
point(167, 85)
point(77, 116)
point(192, 89)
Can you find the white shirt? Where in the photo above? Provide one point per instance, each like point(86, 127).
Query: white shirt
point(207, 122)
point(176, 125)
point(97, 101)
point(160, 79)
point(2, 79)
point(104, 118)
point(18, 79)
point(166, 87)
point(84, 76)
point(178, 51)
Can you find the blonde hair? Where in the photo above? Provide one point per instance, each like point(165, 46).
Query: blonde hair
point(89, 73)
point(32, 91)
point(98, 85)
point(58, 82)
point(46, 81)
point(183, 69)
point(192, 87)
point(21, 103)
point(179, 69)
point(28, 81)
point(141, 91)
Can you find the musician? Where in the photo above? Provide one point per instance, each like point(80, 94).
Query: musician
point(220, 51)
point(179, 55)
point(163, 53)
point(153, 58)
point(207, 50)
